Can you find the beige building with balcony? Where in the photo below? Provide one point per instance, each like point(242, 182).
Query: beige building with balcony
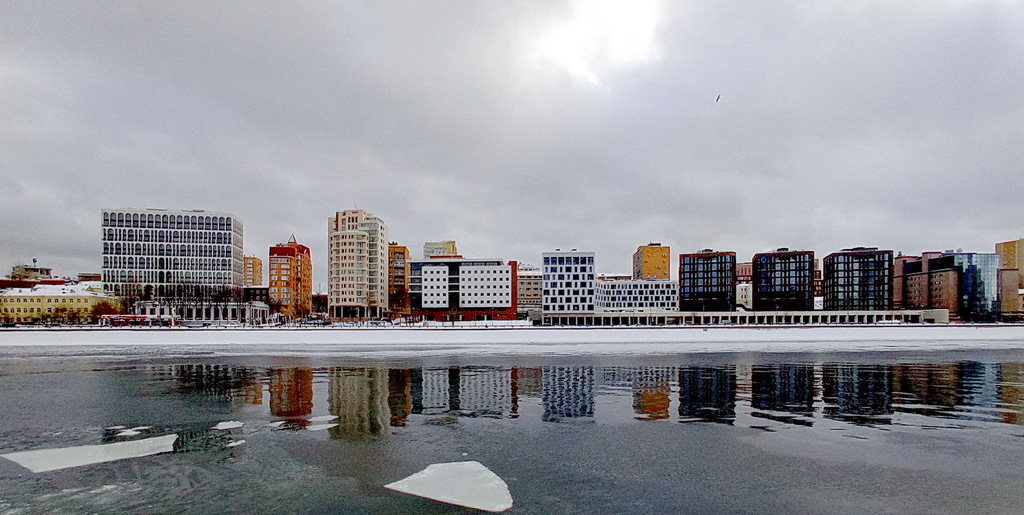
point(357, 265)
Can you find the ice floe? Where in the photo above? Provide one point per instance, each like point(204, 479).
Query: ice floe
point(235, 443)
point(319, 427)
point(44, 460)
point(463, 483)
point(230, 424)
point(129, 432)
point(323, 418)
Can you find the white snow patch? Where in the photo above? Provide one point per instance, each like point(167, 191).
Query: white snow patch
point(319, 427)
point(230, 424)
point(45, 460)
point(463, 483)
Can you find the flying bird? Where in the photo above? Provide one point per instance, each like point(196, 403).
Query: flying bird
point(719, 98)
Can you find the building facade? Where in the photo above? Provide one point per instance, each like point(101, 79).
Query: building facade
point(291, 279)
point(530, 298)
point(357, 265)
point(707, 281)
point(1012, 277)
point(965, 283)
point(652, 261)
point(858, 278)
point(626, 294)
point(253, 275)
point(450, 289)
point(399, 303)
point(47, 303)
point(569, 283)
point(440, 248)
point(159, 252)
point(783, 280)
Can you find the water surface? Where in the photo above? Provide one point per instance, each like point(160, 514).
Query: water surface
point(754, 433)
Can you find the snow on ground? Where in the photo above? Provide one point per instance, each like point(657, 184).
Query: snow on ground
point(533, 341)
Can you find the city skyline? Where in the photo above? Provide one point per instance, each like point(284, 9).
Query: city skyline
point(526, 128)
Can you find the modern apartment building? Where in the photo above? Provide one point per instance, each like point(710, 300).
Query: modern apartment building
point(858, 278)
point(965, 283)
point(291, 279)
point(162, 253)
point(1012, 277)
point(253, 274)
point(627, 294)
point(569, 282)
point(783, 280)
point(652, 261)
point(357, 265)
point(440, 248)
point(707, 281)
point(448, 289)
point(399, 303)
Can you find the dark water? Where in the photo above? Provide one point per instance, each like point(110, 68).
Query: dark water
point(751, 433)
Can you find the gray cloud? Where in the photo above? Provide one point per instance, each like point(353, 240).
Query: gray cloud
point(872, 123)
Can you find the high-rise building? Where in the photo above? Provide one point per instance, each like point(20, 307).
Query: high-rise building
point(253, 275)
point(569, 282)
point(783, 280)
point(454, 289)
point(1012, 277)
point(398, 280)
point(651, 261)
point(160, 252)
point(357, 265)
point(291, 279)
point(440, 248)
point(858, 279)
point(707, 281)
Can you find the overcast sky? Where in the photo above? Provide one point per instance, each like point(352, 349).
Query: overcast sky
point(518, 127)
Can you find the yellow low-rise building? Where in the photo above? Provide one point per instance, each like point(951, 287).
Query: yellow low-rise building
point(74, 303)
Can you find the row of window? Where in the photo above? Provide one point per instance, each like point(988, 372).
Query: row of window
point(161, 249)
point(155, 263)
point(149, 220)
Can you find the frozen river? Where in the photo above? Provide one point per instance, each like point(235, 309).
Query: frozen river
point(573, 421)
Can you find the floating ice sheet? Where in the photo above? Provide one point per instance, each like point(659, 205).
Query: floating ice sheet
point(319, 427)
point(323, 418)
point(45, 460)
point(463, 483)
point(230, 424)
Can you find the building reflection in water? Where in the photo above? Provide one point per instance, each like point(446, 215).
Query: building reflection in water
point(1011, 392)
point(367, 401)
point(568, 394)
point(651, 388)
point(707, 394)
point(218, 382)
point(400, 395)
point(861, 394)
point(787, 388)
point(291, 394)
point(359, 398)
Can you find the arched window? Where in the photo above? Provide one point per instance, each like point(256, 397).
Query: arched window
point(120, 219)
point(135, 220)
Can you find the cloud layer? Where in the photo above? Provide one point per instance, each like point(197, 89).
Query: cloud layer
point(518, 128)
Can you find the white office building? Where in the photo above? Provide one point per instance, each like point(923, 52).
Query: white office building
point(615, 294)
point(569, 283)
point(161, 252)
point(357, 265)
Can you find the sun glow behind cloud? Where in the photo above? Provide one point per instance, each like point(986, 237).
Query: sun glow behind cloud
point(602, 35)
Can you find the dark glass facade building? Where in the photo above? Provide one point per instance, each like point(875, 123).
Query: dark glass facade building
point(858, 279)
point(783, 280)
point(707, 281)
